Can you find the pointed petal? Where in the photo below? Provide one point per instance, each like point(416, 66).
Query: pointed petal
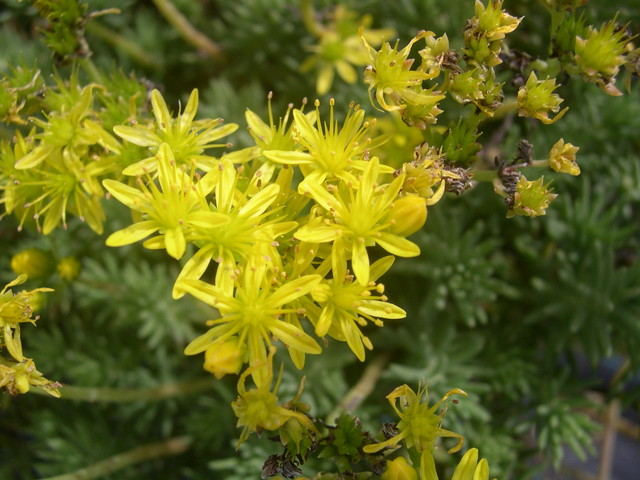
point(213, 134)
point(316, 234)
point(260, 202)
point(34, 158)
point(186, 118)
point(428, 466)
point(360, 262)
point(294, 337)
point(288, 157)
point(204, 341)
point(377, 308)
point(192, 270)
point(209, 294)
point(397, 245)
point(325, 320)
point(138, 135)
point(293, 289)
point(380, 267)
point(131, 197)
point(257, 127)
point(160, 110)
point(132, 233)
point(206, 220)
point(175, 242)
point(353, 336)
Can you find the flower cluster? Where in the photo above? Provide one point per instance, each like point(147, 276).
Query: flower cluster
point(17, 372)
point(287, 226)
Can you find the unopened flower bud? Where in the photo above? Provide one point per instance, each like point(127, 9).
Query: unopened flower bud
point(223, 358)
point(562, 158)
point(68, 268)
point(399, 469)
point(33, 262)
point(22, 381)
point(407, 215)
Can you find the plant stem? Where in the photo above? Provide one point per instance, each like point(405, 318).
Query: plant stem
point(130, 48)
point(188, 31)
point(98, 394)
point(173, 446)
point(484, 175)
point(362, 389)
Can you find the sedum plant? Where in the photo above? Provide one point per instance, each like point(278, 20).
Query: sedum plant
point(268, 258)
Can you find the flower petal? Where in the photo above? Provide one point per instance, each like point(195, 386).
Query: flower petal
point(294, 337)
point(139, 135)
point(397, 245)
point(175, 242)
point(132, 233)
point(360, 261)
point(131, 197)
point(293, 289)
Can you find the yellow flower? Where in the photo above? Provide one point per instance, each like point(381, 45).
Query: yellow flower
point(187, 138)
point(19, 377)
point(19, 373)
point(245, 231)
point(332, 152)
point(258, 409)
point(562, 158)
point(531, 198)
point(60, 173)
point(173, 207)
point(536, 99)
point(15, 308)
point(271, 137)
point(492, 21)
point(484, 33)
point(391, 79)
point(359, 215)
point(419, 424)
point(340, 48)
point(600, 55)
point(252, 314)
point(347, 305)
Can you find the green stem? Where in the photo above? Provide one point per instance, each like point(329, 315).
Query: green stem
point(92, 70)
point(484, 175)
point(173, 446)
point(362, 389)
point(122, 43)
point(98, 394)
point(509, 105)
point(188, 31)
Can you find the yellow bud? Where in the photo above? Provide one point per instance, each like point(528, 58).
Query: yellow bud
point(562, 158)
point(223, 358)
point(407, 215)
point(399, 469)
point(68, 268)
point(32, 262)
point(22, 381)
